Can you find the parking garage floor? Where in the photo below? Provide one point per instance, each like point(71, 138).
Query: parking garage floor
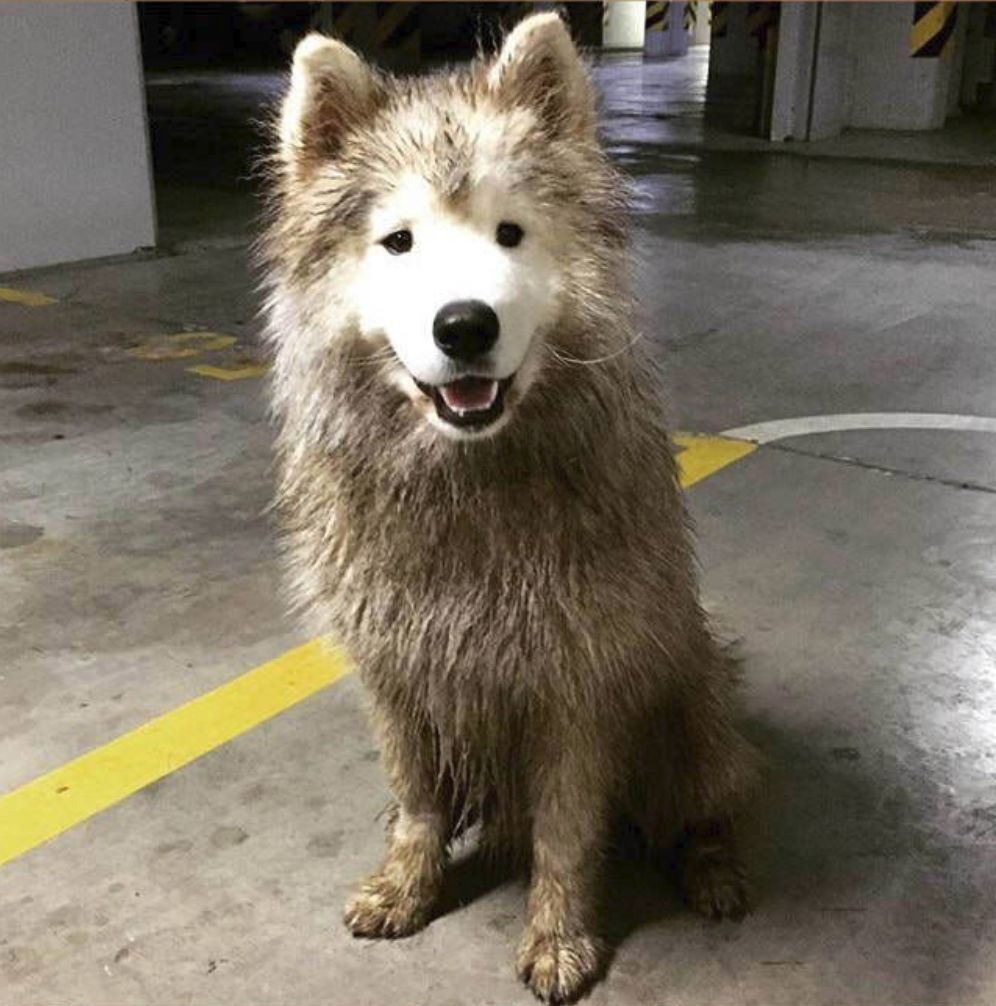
point(853, 567)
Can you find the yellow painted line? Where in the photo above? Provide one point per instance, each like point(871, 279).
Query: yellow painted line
point(181, 345)
point(241, 373)
point(30, 298)
point(53, 803)
point(702, 456)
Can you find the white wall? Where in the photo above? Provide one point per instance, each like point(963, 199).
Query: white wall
point(75, 179)
point(622, 25)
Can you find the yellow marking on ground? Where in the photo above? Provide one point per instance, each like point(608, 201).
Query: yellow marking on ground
point(182, 345)
point(240, 373)
point(67, 796)
point(53, 803)
point(702, 456)
point(30, 298)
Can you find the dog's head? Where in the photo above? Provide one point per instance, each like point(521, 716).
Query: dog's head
point(446, 224)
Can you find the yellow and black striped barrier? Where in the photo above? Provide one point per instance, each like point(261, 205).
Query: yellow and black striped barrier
point(719, 19)
point(658, 18)
point(932, 34)
point(690, 16)
point(399, 27)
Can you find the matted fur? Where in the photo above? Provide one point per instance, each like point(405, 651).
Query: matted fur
point(522, 609)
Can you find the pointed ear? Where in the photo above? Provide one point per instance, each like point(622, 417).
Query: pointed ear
point(331, 91)
point(539, 68)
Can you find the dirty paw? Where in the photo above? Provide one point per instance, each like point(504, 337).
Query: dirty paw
point(383, 909)
point(558, 968)
point(717, 889)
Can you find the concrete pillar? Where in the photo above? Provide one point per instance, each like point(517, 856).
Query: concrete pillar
point(979, 70)
point(699, 35)
point(665, 33)
point(732, 85)
point(623, 24)
point(76, 178)
point(890, 89)
point(831, 63)
point(852, 65)
point(956, 62)
point(811, 86)
point(790, 103)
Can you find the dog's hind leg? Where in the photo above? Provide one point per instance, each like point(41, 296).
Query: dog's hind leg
point(715, 772)
point(713, 878)
point(397, 899)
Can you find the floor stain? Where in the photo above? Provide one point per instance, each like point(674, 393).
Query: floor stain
point(64, 916)
point(19, 962)
point(24, 374)
point(26, 367)
point(326, 844)
point(14, 534)
point(50, 408)
point(503, 922)
point(228, 835)
point(180, 845)
point(253, 793)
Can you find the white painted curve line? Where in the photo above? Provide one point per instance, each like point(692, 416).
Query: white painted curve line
point(780, 429)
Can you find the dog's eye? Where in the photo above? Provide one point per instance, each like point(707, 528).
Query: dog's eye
point(508, 234)
point(398, 242)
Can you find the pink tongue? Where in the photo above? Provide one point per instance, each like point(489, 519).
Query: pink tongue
point(469, 394)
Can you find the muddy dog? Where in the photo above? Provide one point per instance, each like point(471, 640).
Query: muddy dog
point(477, 491)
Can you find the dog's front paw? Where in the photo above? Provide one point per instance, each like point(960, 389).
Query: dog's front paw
point(382, 909)
point(717, 888)
point(558, 967)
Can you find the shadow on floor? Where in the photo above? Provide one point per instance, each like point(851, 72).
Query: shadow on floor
point(833, 835)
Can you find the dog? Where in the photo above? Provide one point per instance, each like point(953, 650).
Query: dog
point(476, 488)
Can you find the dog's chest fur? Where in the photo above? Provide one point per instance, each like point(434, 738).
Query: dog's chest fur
point(502, 593)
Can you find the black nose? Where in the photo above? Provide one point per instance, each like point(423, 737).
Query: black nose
point(465, 329)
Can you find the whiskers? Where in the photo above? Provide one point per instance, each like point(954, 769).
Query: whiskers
point(378, 358)
point(561, 357)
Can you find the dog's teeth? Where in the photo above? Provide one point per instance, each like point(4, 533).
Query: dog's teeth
point(469, 395)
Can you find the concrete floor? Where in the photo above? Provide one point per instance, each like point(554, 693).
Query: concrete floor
point(856, 570)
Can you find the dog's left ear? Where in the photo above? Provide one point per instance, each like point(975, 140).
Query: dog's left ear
point(539, 68)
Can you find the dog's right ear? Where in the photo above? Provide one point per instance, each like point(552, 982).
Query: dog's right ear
point(331, 91)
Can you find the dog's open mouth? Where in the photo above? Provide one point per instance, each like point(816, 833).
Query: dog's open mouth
point(468, 401)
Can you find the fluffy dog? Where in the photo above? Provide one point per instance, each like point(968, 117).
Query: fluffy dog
point(478, 493)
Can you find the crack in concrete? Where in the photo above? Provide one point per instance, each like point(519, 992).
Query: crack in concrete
point(978, 487)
